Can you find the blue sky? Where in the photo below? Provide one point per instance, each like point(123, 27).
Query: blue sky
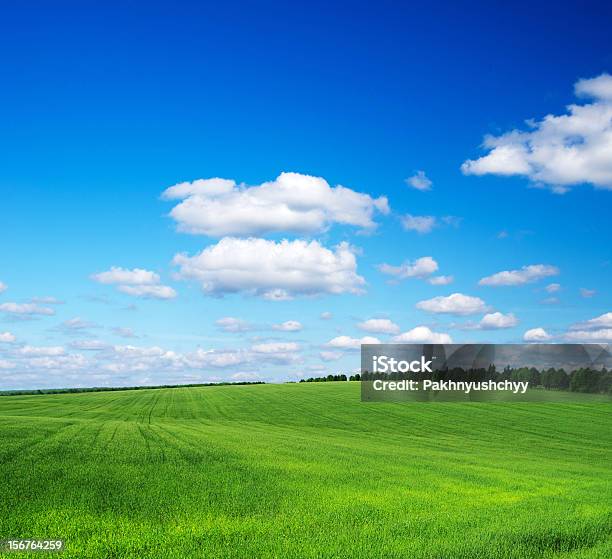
point(109, 105)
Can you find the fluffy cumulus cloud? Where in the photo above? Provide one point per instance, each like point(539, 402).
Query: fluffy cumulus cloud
point(25, 309)
point(136, 282)
point(536, 335)
point(291, 203)
point(326, 315)
point(87, 362)
point(527, 274)
point(457, 304)
point(346, 342)
point(419, 223)
point(288, 326)
point(423, 335)
point(599, 322)
point(553, 287)
point(379, 326)
point(558, 151)
point(587, 293)
point(7, 337)
point(134, 358)
point(117, 275)
point(272, 270)
point(3, 287)
point(420, 268)
point(419, 181)
point(497, 321)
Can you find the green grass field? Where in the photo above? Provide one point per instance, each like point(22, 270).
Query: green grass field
point(304, 470)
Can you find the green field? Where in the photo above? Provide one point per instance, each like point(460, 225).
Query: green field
point(304, 470)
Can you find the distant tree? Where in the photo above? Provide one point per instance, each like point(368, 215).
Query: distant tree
point(605, 382)
point(585, 380)
point(559, 380)
point(524, 374)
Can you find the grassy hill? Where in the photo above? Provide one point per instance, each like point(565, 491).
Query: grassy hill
point(304, 470)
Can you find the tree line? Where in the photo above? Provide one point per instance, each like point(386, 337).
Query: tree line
point(116, 388)
point(586, 379)
point(333, 378)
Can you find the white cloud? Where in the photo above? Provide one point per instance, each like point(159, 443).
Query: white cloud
point(457, 303)
point(587, 293)
point(275, 271)
point(232, 324)
point(291, 203)
point(419, 181)
point(326, 315)
point(149, 291)
point(423, 335)
point(379, 326)
point(330, 355)
point(527, 274)
point(346, 342)
point(601, 335)
point(3, 287)
point(419, 223)
point(536, 335)
point(602, 321)
point(553, 288)
point(276, 352)
point(420, 268)
point(558, 151)
point(441, 280)
point(201, 359)
point(136, 282)
point(62, 363)
point(7, 337)
point(105, 364)
point(596, 88)
point(288, 326)
point(25, 309)
point(275, 347)
point(41, 351)
point(88, 345)
point(497, 320)
point(117, 275)
point(269, 352)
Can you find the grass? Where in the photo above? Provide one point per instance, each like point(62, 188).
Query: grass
point(304, 470)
